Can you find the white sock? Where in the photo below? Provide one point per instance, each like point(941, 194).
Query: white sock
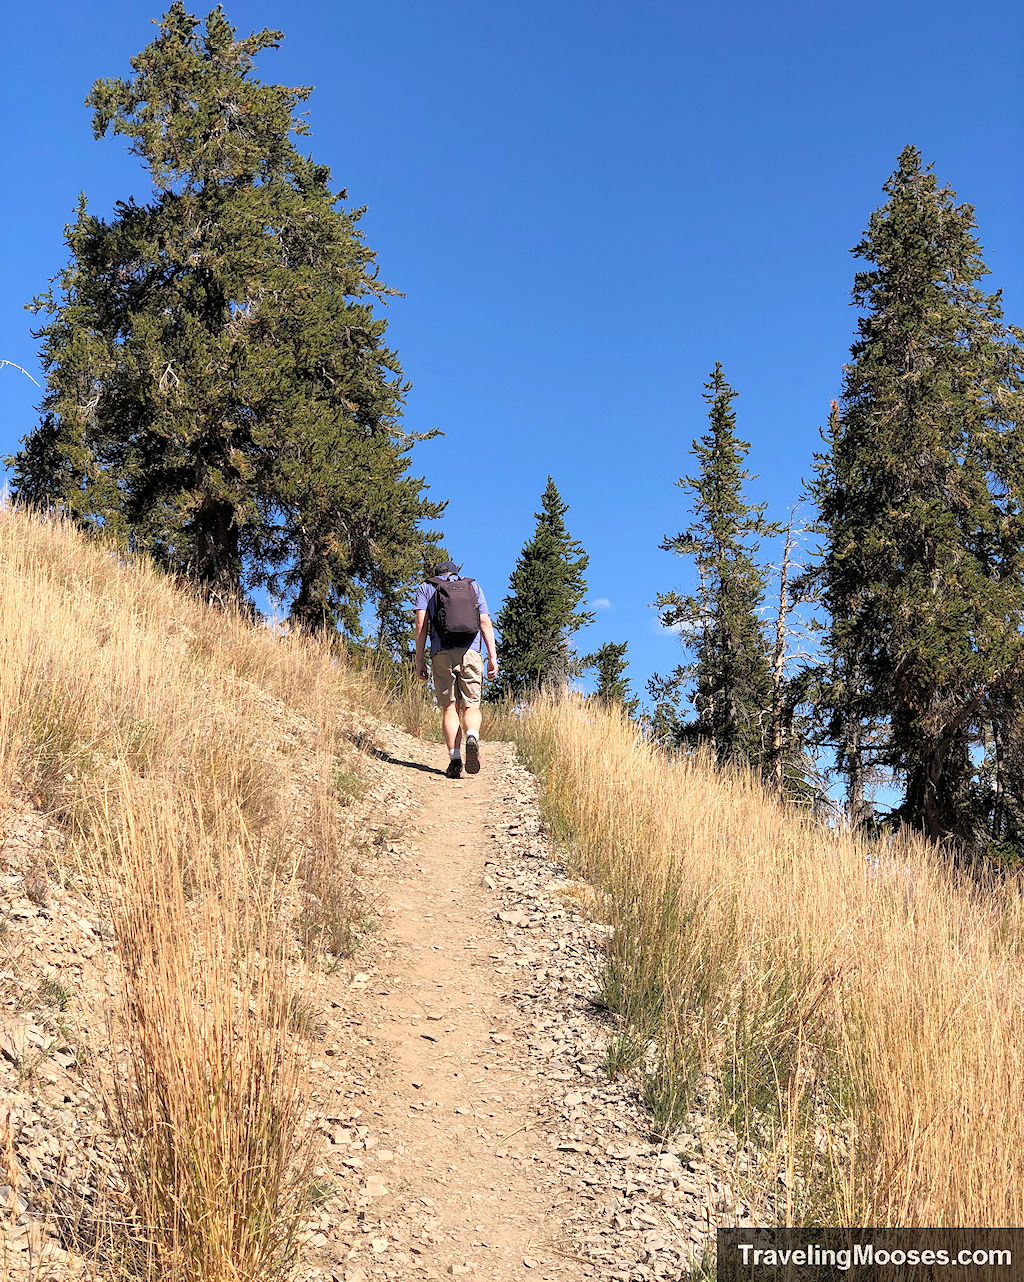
point(455, 754)
point(471, 734)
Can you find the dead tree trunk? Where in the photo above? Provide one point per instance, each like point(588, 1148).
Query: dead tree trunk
point(778, 728)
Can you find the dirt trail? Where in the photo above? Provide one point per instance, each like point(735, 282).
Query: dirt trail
point(463, 1116)
point(458, 1103)
point(473, 1129)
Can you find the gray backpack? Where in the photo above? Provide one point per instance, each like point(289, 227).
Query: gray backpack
point(455, 612)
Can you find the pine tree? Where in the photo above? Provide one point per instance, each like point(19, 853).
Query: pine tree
point(219, 386)
point(609, 662)
point(541, 613)
point(720, 623)
point(839, 707)
point(56, 467)
point(920, 492)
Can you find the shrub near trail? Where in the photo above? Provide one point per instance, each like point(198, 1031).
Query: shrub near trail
point(857, 1009)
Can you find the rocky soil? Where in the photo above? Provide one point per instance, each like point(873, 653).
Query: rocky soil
point(475, 1130)
point(468, 1124)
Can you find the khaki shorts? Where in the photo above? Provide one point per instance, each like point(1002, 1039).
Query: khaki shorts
point(458, 677)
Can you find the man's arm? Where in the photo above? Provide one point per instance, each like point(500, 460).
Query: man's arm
point(421, 642)
point(492, 649)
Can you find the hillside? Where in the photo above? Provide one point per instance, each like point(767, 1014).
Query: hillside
point(853, 1009)
point(269, 1001)
point(185, 811)
point(278, 998)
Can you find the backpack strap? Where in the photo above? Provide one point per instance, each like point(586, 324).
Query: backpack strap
point(431, 611)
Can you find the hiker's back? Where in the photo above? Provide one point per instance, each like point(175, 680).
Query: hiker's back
point(455, 607)
point(453, 611)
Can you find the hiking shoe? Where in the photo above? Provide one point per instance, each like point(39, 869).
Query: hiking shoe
point(472, 757)
point(454, 770)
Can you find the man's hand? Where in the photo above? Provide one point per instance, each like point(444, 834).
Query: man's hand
point(492, 666)
point(421, 644)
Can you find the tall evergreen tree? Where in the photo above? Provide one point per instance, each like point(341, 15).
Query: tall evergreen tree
point(720, 623)
point(609, 664)
point(219, 387)
point(920, 493)
point(541, 614)
point(839, 711)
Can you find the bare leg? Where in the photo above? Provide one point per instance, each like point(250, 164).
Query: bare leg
point(452, 729)
point(471, 718)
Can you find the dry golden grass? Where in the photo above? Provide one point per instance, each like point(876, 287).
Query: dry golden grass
point(411, 701)
point(856, 1009)
point(209, 1108)
point(191, 757)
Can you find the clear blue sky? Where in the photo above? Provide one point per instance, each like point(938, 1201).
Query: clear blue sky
point(587, 203)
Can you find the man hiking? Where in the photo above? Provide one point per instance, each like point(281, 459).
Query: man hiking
point(455, 611)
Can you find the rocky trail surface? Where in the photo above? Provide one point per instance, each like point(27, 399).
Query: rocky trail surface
point(487, 1139)
point(467, 1123)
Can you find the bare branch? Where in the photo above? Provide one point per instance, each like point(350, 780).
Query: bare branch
point(16, 366)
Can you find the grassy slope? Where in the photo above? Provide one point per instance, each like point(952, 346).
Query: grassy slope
point(858, 1009)
point(790, 975)
point(196, 765)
